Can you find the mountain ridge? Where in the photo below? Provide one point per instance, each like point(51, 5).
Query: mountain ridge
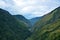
point(48, 28)
point(34, 20)
point(16, 27)
point(23, 19)
point(11, 28)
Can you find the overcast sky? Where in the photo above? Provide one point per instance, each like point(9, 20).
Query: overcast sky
point(29, 8)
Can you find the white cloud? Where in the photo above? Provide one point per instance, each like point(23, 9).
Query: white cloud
point(27, 9)
point(18, 2)
point(2, 3)
point(33, 8)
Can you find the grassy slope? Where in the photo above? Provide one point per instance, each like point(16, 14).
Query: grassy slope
point(48, 28)
point(11, 28)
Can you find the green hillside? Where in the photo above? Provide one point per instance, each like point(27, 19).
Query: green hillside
point(23, 19)
point(48, 28)
point(11, 28)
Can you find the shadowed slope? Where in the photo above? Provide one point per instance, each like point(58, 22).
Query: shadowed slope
point(11, 28)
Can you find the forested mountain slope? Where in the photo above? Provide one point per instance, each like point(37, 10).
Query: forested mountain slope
point(48, 28)
point(11, 28)
point(23, 19)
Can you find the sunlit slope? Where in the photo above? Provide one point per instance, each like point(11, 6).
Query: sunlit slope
point(11, 28)
point(48, 28)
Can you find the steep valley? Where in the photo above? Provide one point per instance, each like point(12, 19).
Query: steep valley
point(16, 27)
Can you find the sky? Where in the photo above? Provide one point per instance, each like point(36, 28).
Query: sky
point(29, 8)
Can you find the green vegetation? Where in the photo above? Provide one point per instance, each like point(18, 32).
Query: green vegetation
point(48, 28)
point(16, 28)
point(23, 19)
point(11, 28)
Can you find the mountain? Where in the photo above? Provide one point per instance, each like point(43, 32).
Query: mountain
point(48, 28)
point(11, 28)
point(22, 18)
point(34, 20)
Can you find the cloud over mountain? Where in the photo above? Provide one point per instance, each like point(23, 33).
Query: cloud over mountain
point(29, 8)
